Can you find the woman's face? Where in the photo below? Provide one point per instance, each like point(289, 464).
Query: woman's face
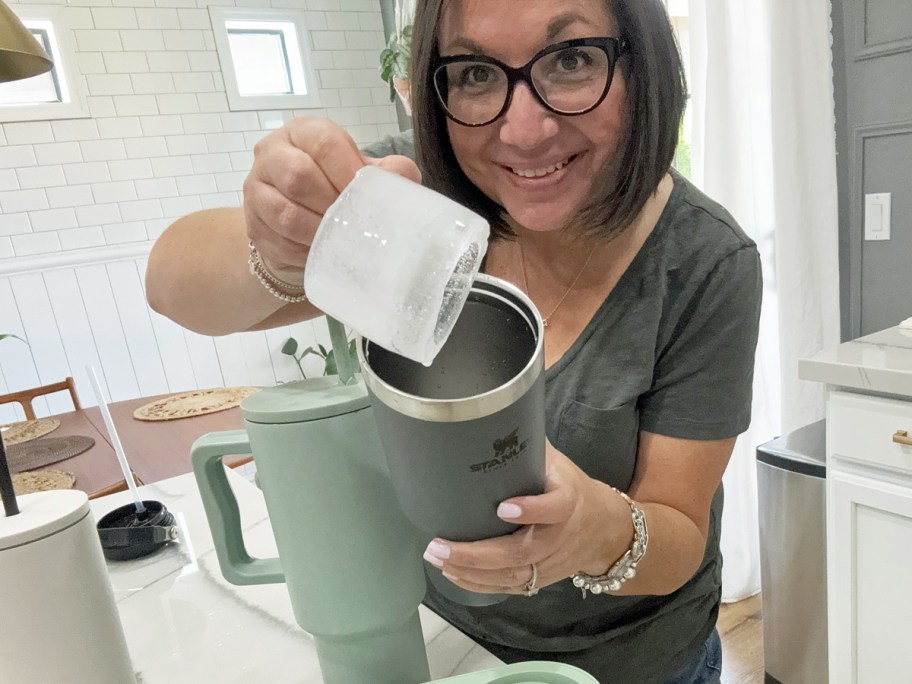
point(536, 164)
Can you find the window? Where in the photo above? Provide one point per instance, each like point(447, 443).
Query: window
point(265, 59)
point(51, 95)
point(679, 11)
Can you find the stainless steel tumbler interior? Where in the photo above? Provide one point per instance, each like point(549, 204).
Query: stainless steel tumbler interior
point(467, 432)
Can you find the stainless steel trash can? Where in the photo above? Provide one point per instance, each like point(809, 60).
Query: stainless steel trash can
point(791, 483)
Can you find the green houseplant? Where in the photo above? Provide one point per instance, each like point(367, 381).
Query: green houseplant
point(290, 348)
point(394, 65)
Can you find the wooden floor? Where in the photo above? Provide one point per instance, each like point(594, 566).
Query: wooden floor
point(741, 629)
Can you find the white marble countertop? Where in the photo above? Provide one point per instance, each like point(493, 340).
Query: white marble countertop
point(185, 624)
point(880, 362)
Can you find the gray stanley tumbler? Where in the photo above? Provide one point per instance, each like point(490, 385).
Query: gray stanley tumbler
point(468, 431)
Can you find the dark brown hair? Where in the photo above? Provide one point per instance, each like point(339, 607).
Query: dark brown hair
point(656, 94)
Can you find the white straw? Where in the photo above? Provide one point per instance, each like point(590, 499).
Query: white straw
point(115, 440)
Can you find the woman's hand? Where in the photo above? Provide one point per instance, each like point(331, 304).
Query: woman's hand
point(578, 524)
point(298, 171)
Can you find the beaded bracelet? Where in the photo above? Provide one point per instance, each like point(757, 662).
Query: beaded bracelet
point(625, 567)
point(270, 281)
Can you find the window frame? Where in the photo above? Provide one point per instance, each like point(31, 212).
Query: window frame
point(69, 81)
point(220, 16)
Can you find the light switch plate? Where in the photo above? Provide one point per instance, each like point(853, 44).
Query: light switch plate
point(877, 216)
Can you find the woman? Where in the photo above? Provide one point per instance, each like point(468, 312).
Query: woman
point(558, 122)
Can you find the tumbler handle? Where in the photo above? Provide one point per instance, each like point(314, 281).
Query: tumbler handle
point(221, 508)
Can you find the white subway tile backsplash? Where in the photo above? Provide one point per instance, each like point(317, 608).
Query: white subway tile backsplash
point(156, 188)
point(225, 142)
point(153, 83)
point(370, 21)
point(165, 167)
point(8, 180)
point(130, 169)
point(251, 138)
point(2, 136)
point(175, 207)
point(114, 18)
point(70, 196)
point(6, 248)
point(97, 41)
point(241, 161)
point(101, 105)
point(184, 40)
point(82, 238)
point(210, 163)
point(109, 84)
point(329, 40)
point(102, 150)
point(143, 39)
point(28, 132)
point(168, 62)
point(194, 82)
point(202, 123)
point(53, 219)
point(348, 59)
point(355, 97)
point(194, 185)
point(156, 227)
point(36, 243)
point(220, 199)
point(115, 191)
point(98, 214)
point(187, 144)
point(140, 210)
point(212, 102)
point(240, 121)
point(193, 19)
point(135, 105)
point(88, 172)
point(78, 18)
point(75, 129)
point(158, 18)
point(17, 224)
point(230, 182)
point(13, 201)
point(119, 127)
point(126, 62)
point(315, 21)
point(178, 103)
point(119, 233)
point(203, 61)
point(58, 153)
point(162, 124)
point(273, 120)
point(40, 177)
point(343, 21)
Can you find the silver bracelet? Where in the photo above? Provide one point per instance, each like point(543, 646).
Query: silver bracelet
point(270, 281)
point(625, 567)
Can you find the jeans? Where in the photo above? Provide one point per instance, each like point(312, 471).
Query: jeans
point(706, 667)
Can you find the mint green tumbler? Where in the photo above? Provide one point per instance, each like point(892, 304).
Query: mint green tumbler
point(350, 559)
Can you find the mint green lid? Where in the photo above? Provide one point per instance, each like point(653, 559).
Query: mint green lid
point(305, 400)
point(533, 672)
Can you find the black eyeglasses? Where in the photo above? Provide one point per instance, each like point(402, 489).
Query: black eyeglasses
point(568, 78)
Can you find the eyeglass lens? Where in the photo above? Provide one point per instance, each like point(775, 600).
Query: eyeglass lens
point(570, 80)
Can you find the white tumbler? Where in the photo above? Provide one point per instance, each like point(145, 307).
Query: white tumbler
point(58, 619)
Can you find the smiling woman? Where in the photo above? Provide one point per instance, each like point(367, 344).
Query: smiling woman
point(559, 125)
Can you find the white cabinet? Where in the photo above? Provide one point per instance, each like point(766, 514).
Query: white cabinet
point(869, 540)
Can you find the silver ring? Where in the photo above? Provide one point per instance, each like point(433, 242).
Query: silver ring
point(529, 588)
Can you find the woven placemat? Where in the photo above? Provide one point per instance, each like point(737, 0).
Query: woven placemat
point(17, 433)
point(42, 481)
point(194, 403)
point(45, 451)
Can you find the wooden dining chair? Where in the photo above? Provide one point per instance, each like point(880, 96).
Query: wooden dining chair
point(24, 397)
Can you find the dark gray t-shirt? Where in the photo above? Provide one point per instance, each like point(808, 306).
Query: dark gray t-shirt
point(670, 351)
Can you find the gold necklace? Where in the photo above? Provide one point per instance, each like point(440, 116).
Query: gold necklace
point(522, 263)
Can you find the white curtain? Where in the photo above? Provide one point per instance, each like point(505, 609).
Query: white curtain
point(763, 145)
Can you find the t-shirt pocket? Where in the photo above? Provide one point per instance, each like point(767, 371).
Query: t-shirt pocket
point(601, 441)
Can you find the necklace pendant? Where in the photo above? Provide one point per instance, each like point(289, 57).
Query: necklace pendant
point(544, 322)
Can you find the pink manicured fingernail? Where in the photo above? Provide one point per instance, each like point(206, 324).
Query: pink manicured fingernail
point(437, 552)
point(508, 510)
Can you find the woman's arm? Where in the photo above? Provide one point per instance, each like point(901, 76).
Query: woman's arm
point(198, 277)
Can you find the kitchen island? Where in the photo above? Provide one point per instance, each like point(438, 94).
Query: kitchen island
point(869, 505)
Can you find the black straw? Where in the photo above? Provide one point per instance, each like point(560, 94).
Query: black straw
point(7, 493)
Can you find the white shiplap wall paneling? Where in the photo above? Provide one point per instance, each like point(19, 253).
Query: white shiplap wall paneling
point(15, 357)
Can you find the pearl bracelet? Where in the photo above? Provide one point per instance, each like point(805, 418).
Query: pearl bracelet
point(270, 281)
point(625, 567)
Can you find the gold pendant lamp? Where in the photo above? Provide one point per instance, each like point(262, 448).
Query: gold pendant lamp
point(21, 56)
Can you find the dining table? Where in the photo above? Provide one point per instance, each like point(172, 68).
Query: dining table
point(155, 450)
